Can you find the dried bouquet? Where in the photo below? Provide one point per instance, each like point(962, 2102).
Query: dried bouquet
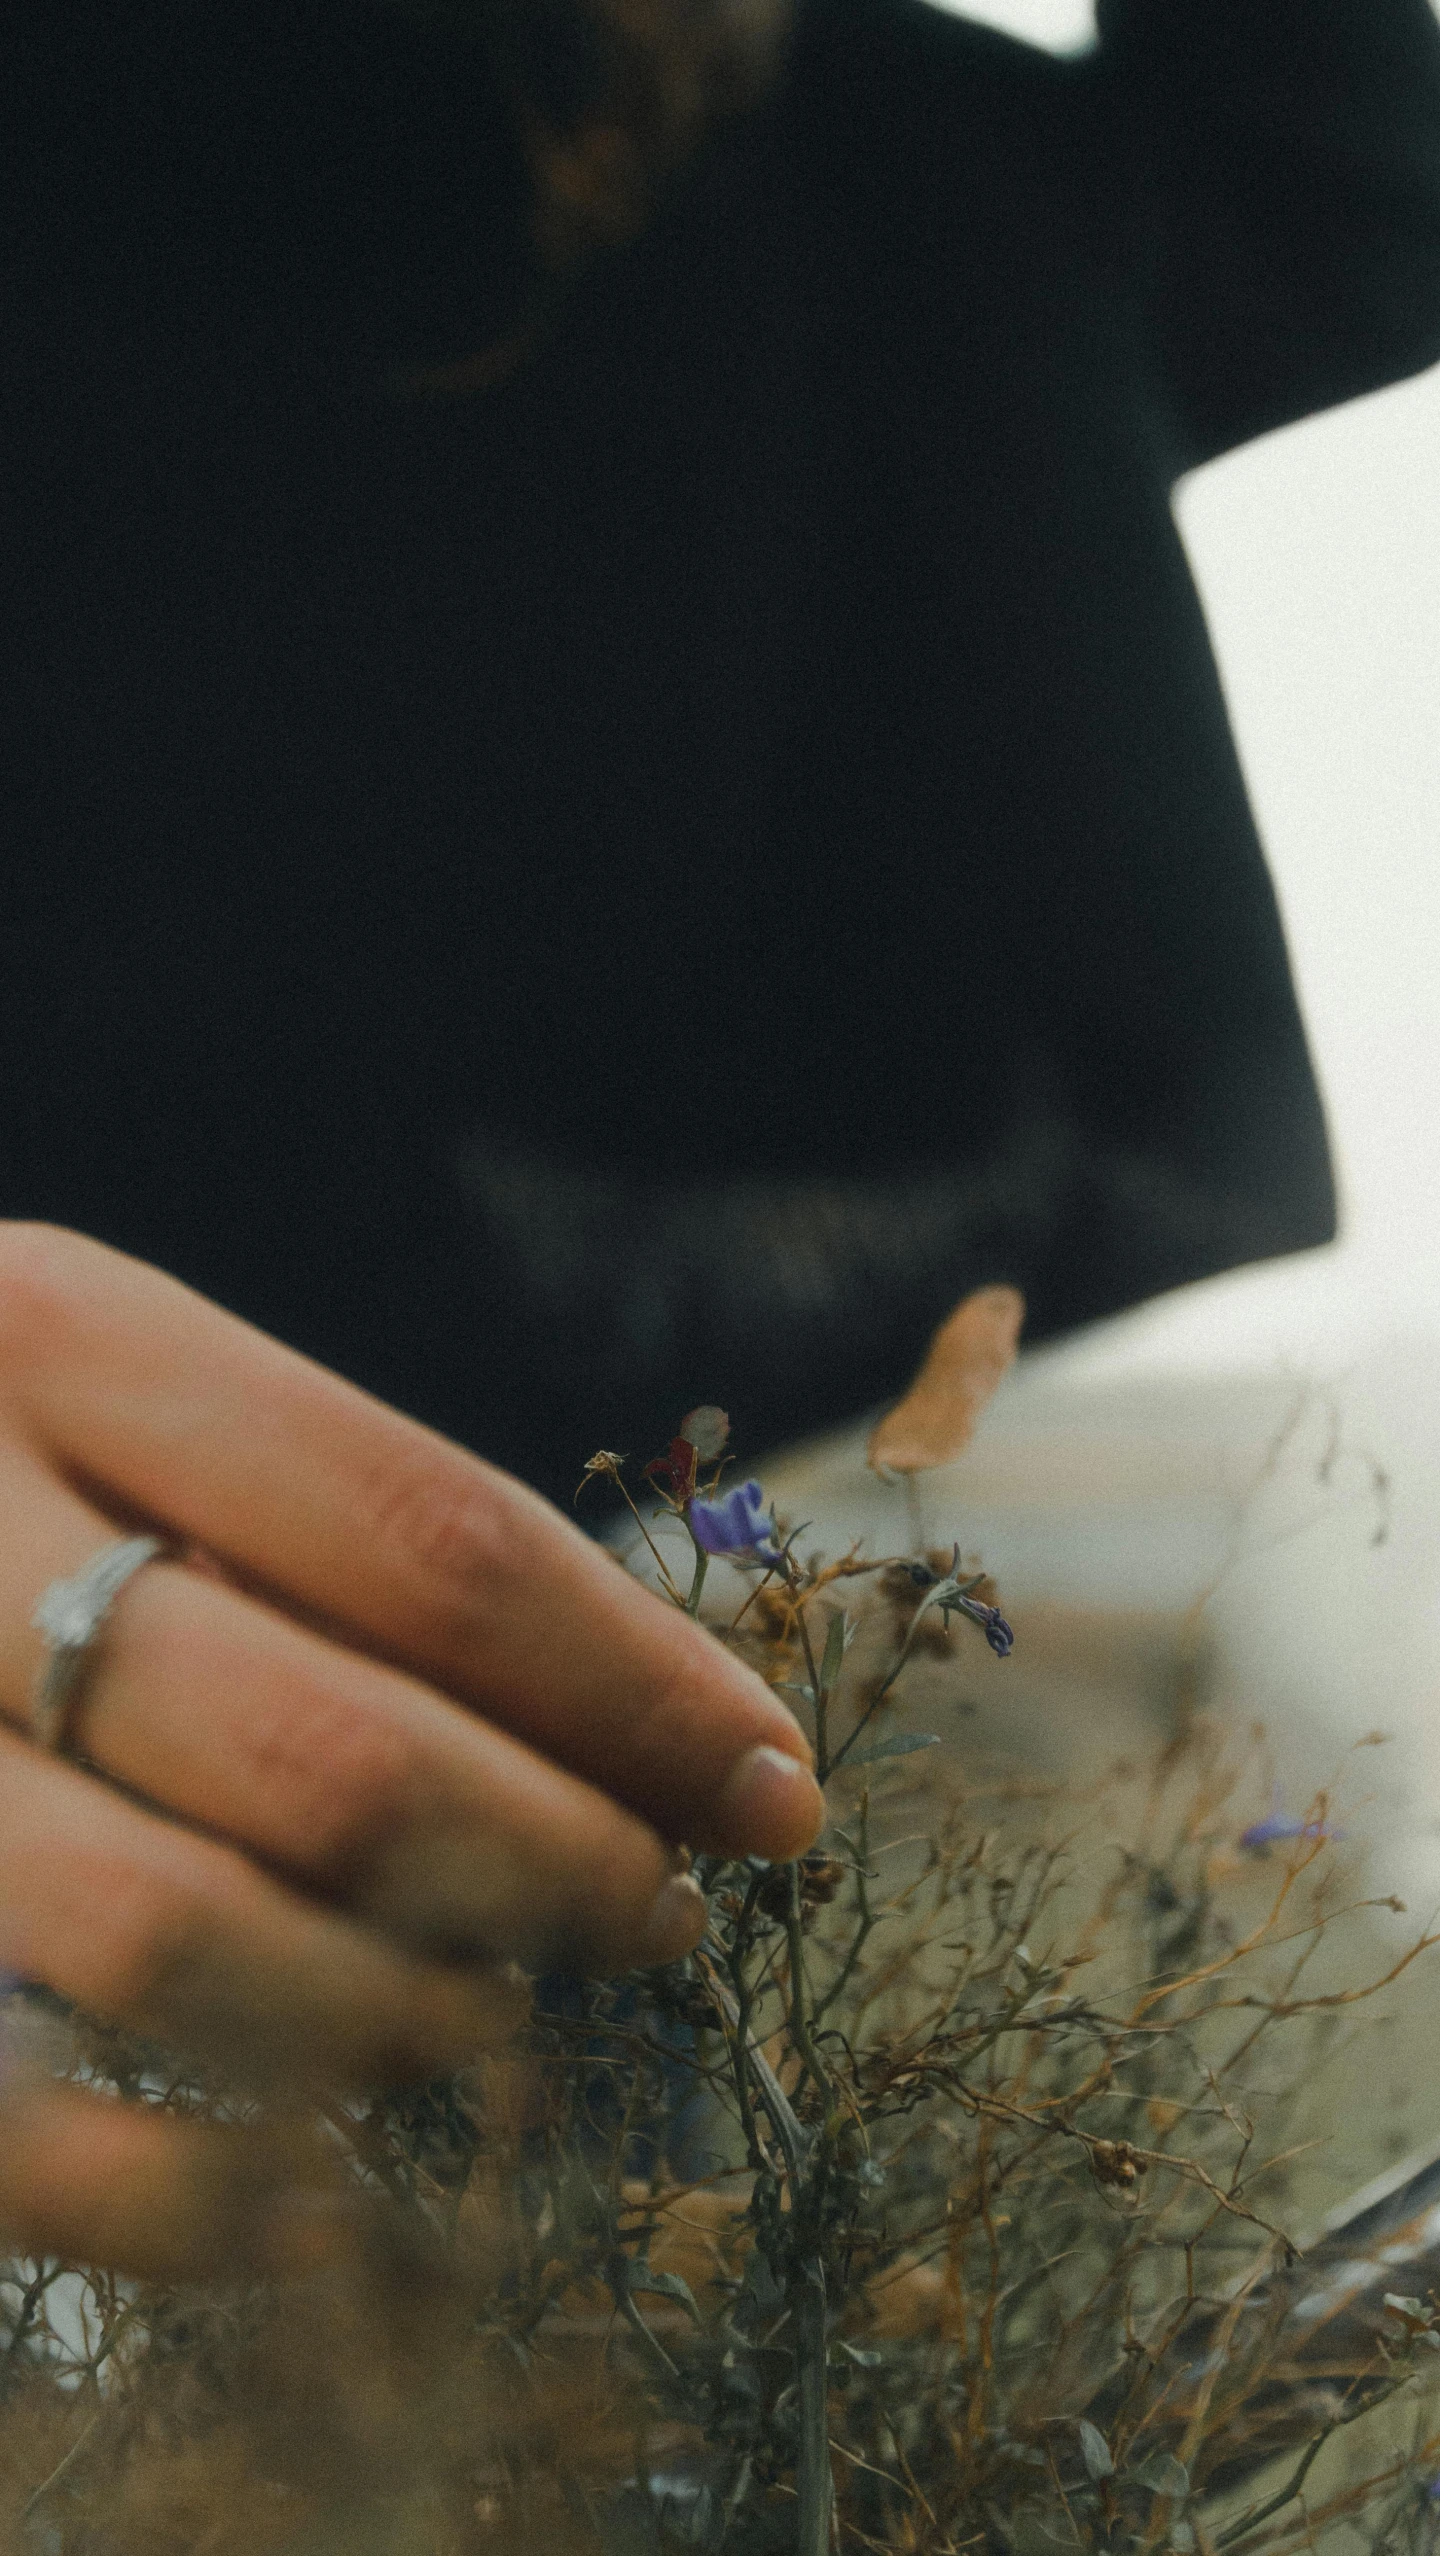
point(936, 2203)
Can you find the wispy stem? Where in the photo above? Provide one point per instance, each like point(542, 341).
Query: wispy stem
point(822, 1755)
point(865, 1923)
point(702, 1565)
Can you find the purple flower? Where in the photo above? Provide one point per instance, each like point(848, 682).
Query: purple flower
point(999, 1634)
point(1281, 1829)
point(739, 1525)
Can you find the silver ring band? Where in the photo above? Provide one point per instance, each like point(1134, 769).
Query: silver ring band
point(70, 1614)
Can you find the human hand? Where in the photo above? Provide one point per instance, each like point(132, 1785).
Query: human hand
point(385, 1725)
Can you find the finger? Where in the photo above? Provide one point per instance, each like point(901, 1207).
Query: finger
point(423, 1553)
point(132, 2188)
point(352, 1778)
point(180, 1939)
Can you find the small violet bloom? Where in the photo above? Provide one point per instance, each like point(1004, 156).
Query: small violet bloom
point(1281, 1829)
point(739, 1525)
point(999, 1634)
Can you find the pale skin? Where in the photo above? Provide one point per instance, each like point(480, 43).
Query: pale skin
point(385, 1726)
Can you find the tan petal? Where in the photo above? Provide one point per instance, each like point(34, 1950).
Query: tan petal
point(967, 1358)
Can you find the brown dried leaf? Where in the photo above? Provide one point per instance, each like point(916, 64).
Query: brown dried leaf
point(967, 1358)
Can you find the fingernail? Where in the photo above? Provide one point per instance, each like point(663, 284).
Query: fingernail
point(677, 1919)
point(770, 1804)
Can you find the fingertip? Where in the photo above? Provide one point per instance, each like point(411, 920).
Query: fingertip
point(676, 1921)
point(790, 1740)
point(770, 1805)
point(774, 1725)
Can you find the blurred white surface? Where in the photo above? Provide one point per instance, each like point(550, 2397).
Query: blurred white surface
point(1137, 1521)
point(1061, 26)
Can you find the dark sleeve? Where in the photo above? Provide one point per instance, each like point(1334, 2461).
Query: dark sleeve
point(1271, 176)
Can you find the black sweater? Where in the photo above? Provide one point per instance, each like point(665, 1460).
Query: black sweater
point(642, 884)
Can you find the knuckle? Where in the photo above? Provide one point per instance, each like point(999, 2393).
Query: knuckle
point(342, 1779)
point(438, 1519)
point(37, 1278)
point(154, 1942)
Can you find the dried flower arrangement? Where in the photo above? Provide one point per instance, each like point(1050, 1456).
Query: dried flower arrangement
point(931, 2205)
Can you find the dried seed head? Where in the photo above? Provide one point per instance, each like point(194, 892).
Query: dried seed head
point(1115, 2162)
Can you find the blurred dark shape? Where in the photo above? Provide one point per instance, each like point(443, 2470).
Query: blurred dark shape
point(660, 862)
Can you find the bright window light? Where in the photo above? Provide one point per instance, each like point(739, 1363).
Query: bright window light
point(1061, 26)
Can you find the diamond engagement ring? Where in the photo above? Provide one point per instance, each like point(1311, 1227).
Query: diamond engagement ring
point(70, 1614)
